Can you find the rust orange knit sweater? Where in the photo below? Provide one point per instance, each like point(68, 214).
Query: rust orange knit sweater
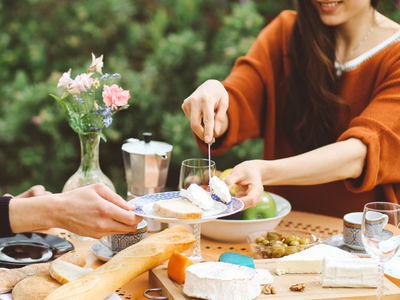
point(257, 89)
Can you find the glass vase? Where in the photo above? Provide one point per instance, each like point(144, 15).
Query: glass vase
point(89, 171)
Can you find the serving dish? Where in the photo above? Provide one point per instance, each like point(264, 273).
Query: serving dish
point(278, 243)
point(144, 208)
point(237, 230)
point(159, 278)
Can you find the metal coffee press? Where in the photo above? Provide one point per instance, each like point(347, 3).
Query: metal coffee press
point(146, 169)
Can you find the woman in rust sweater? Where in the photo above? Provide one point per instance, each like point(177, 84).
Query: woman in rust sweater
point(321, 86)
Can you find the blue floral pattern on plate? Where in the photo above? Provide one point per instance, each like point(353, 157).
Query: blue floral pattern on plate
point(144, 203)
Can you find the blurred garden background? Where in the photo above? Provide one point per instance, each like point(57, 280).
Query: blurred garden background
point(163, 50)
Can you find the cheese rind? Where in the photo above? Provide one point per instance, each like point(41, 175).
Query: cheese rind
point(221, 281)
point(349, 272)
point(309, 260)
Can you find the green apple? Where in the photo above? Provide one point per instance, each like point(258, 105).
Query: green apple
point(263, 210)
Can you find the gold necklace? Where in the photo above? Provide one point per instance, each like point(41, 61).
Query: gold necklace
point(340, 66)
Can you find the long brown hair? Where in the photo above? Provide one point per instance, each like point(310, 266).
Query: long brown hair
point(312, 100)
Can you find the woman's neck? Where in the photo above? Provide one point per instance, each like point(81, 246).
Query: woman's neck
point(355, 36)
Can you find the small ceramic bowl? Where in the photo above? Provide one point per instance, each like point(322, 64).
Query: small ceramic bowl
point(278, 243)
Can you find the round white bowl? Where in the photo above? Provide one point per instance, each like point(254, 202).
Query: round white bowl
point(237, 230)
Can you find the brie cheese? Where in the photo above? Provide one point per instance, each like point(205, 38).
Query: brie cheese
point(220, 281)
point(198, 196)
point(309, 260)
point(220, 189)
point(264, 276)
point(349, 272)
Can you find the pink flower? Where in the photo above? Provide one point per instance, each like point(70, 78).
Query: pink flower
point(115, 96)
point(36, 120)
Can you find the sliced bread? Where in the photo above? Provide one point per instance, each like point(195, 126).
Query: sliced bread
point(35, 287)
point(180, 208)
point(64, 272)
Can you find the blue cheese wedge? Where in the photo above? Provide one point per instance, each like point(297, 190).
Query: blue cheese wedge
point(309, 260)
point(220, 281)
point(349, 272)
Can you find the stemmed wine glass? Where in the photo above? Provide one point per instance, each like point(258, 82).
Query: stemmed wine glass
point(380, 234)
point(196, 170)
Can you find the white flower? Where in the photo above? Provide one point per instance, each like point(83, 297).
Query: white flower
point(82, 82)
point(65, 80)
point(97, 64)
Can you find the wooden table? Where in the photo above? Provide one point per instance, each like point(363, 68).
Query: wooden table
point(324, 226)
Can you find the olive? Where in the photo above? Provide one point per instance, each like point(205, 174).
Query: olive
point(265, 242)
point(275, 242)
point(277, 246)
point(291, 250)
point(273, 236)
point(259, 240)
point(278, 252)
point(294, 243)
point(304, 241)
point(290, 239)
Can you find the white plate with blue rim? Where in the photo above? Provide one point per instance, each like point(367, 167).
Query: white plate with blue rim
point(144, 208)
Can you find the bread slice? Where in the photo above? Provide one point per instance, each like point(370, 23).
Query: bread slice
point(180, 208)
point(10, 277)
point(64, 272)
point(35, 287)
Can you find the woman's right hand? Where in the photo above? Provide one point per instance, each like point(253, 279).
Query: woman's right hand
point(246, 177)
point(206, 110)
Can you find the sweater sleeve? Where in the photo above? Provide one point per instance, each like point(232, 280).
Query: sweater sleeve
point(378, 127)
point(5, 228)
point(252, 86)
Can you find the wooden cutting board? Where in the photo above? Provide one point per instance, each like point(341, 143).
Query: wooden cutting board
point(158, 278)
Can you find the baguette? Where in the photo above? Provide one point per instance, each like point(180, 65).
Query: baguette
point(126, 265)
point(9, 278)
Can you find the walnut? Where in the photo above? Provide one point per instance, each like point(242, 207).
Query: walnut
point(268, 290)
point(298, 287)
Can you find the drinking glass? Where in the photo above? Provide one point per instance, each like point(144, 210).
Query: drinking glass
point(196, 170)
point(380, 234)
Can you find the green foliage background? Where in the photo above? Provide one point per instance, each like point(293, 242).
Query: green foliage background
point(162, 48)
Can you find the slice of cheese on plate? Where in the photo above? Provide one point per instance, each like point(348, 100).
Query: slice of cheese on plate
point(309, 260)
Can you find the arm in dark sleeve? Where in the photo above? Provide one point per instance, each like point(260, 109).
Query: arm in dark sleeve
point(5, 228)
